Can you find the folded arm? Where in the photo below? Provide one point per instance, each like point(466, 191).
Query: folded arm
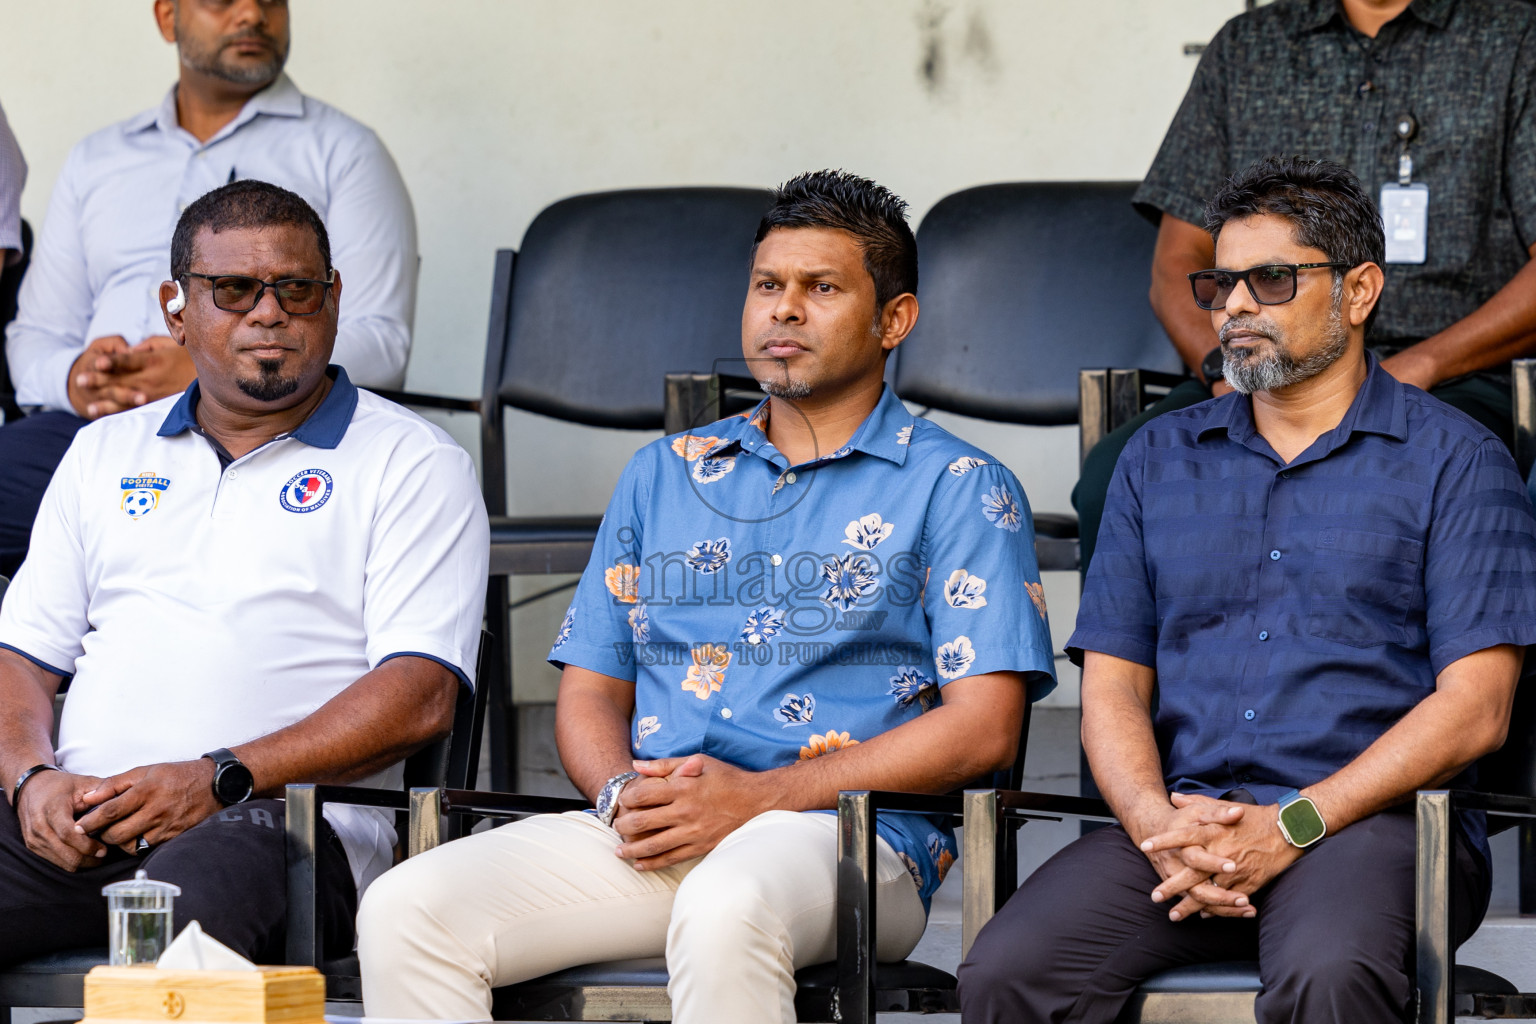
point(1501, 329)
point(397, 708)
point(1122, 751)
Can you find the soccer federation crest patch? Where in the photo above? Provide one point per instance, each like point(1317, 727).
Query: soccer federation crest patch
point(306, 491)
point(141, 494)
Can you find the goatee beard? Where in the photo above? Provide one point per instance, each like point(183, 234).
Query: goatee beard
point(271, 385)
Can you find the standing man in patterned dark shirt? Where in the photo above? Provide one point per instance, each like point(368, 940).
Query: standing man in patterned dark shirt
point(825, 594)
point(1450, 85)
point(1310, 600)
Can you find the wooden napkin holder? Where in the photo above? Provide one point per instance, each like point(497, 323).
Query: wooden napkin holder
point(148, 995)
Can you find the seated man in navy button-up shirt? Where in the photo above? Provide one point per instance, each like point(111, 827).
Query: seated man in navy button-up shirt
point(825, 594)
point(1320, 583)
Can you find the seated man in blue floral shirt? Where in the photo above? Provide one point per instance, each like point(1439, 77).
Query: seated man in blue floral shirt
point(824, 594)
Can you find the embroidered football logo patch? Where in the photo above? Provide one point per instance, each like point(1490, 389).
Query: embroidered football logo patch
point(141, 494)
point(306, 491)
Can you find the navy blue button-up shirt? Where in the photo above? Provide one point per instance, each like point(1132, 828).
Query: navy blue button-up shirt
point(771, 613)
point(1295, 612)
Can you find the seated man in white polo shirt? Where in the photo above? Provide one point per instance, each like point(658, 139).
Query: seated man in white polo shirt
point(273, 578)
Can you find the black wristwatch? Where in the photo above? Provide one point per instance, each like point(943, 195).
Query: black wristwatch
point(232, 781)
point(1210, 366)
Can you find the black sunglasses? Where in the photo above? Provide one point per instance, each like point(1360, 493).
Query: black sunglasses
point(297, 296)
point(1270, 285)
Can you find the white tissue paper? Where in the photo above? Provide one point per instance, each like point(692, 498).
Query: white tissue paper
point(194, 950)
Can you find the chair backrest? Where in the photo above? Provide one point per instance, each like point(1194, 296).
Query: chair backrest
point(612, 290)
point(10, 287)
point(1021, 286)
point(1512, 768)
point(453, 761)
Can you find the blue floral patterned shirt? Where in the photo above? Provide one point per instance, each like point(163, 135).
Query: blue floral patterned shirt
point(770, 613)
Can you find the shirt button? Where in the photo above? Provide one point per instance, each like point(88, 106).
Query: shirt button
point(234, 474)
point(1285, 474)
point(726, 713)
point(1248, 714)
point(1274, 556)
point(789, 478)
point(1263, 634)
point(776, 559)
point(1370, 126)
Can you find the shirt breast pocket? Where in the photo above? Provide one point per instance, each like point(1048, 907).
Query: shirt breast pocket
point(1365, 589)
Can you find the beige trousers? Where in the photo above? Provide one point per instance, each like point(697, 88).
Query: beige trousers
point(438, 932)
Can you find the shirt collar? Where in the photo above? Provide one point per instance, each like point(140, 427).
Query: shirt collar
point(324, 428)
point(1311, 15)
point(1379, 408)
point(882, 433)
point(280, 99)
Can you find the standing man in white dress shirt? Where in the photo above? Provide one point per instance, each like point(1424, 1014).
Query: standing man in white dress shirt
point(88, 339)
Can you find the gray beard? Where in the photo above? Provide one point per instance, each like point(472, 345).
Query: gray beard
point(209, 64)
point(1277, 368)
point(271, 385)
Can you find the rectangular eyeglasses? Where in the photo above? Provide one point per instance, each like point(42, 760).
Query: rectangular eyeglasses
point(297, 296)
point(1270, 284)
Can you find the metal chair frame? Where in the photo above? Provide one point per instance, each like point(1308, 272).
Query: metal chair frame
point(849, 991)
point(1187, 995)
point(635, 990)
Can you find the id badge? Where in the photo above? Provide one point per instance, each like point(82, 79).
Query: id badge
point(1405, 215)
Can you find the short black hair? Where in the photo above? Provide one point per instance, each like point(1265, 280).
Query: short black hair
point(247, 203)
point(1324, 201)
point(874, 215)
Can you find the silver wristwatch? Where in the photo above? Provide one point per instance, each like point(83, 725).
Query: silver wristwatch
point(608, 796)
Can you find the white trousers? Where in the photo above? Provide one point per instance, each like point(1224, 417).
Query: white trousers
point(438, 932)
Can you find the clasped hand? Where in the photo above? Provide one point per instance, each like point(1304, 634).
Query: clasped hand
point(70, 820)
point(1216, 854)
point(112, 375)
point(681, 807)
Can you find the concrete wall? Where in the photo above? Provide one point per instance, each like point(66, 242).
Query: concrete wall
point(496, 108)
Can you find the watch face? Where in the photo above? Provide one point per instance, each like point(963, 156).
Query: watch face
point(233, 782)
point(1302, 822)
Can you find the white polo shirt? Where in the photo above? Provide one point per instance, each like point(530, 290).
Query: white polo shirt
point(200, 606)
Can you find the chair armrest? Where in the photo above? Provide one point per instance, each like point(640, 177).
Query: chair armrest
point(856, 881)
point(428, 805)
point(987, 813)
point(421, 401)
point(301, 824)
point(506, 805)
point(1048, 805)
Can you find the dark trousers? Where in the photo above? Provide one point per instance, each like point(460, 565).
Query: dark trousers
point(1486, 399)
point(30, 450)
point(1333, 935)
point(231, 868)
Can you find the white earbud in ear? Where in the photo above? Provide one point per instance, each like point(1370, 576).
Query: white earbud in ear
point(178, 301)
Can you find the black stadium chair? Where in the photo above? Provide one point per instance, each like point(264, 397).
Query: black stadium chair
point(1022, 286)
point(608, 293)
point(10, 285)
